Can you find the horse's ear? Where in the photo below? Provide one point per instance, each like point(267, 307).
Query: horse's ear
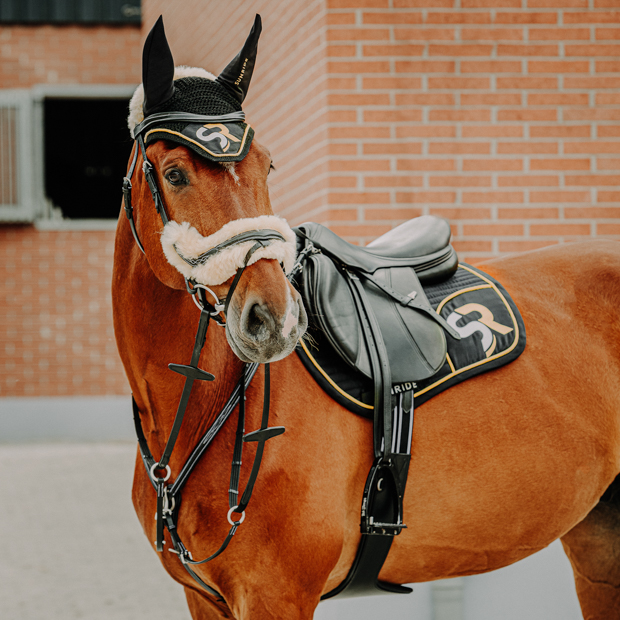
point(237, 75)
point(157, 68)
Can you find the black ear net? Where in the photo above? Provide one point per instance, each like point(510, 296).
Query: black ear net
point(237, 75)
point(157, 68)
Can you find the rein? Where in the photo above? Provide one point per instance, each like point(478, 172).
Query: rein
point(169, 494)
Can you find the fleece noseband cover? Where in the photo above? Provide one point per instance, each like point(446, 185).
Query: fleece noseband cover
point(184, 248)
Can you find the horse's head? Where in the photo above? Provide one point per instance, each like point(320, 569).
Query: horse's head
point(215, 216)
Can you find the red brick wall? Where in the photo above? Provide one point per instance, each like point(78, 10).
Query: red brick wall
point(56, 330)
point(69, 55)
point(56, 336)
point(501, 115)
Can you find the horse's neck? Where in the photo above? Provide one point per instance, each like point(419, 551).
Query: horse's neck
point(156, 325)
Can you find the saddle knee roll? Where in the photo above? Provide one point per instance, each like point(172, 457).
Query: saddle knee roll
point(416, 344)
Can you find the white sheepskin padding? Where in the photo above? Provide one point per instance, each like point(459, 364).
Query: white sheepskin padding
point(136, 115)
point(186, 240)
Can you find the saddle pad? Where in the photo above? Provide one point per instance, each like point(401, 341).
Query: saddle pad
point(477, 306)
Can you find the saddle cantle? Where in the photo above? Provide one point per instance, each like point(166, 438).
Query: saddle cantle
point(389, 270)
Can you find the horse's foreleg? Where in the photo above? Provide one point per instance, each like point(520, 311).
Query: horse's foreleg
point(593, 548)
point(202, 607)
point(253, 606)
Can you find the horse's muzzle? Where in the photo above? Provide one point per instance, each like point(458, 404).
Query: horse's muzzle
point(257, 334)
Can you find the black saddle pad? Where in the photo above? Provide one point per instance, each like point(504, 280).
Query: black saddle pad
point(476, 305)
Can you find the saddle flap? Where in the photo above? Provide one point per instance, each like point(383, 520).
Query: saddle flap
point(416, 344)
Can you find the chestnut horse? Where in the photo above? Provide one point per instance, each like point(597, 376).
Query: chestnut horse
point(501, 465)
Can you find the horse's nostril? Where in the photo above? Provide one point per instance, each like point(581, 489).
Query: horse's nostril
point(259, 322)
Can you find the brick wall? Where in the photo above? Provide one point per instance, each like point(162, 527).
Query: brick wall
point(57, 337)
point(69, 55)
point(501, 115)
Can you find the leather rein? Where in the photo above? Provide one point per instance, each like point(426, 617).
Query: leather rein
point(169, 494)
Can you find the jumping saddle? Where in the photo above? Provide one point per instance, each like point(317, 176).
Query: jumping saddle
point(370, 306)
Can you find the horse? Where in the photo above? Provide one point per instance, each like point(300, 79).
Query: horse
point(501, 465)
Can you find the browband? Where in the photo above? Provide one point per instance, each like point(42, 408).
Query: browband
point(186, 117)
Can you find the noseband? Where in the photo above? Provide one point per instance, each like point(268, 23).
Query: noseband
point(169, 495)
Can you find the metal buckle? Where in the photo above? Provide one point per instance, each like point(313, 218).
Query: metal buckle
point(169, 504)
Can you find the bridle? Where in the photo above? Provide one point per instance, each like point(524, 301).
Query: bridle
point(169, 495)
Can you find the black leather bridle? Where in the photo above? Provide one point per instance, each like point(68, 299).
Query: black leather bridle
point(169, 494)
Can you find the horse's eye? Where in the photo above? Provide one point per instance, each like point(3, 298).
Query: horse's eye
point(175, 177)
point(271, 167)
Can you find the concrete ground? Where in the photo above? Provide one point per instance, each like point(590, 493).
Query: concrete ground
point(71, 548)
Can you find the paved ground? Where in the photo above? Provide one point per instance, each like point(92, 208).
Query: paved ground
point(71, 548)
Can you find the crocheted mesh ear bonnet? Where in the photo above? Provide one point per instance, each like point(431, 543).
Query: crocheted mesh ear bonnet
point(217, 141)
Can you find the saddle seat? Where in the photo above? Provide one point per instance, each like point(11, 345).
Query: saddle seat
point(422, 243)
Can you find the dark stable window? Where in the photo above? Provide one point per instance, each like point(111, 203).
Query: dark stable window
point(70, 11)
point(87, 146)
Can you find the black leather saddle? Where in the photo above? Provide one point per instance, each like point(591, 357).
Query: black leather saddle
point(390, 271)
point(370, 305)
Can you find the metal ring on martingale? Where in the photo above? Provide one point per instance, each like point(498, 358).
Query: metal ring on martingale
point(152, 472)
point(235, 522)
